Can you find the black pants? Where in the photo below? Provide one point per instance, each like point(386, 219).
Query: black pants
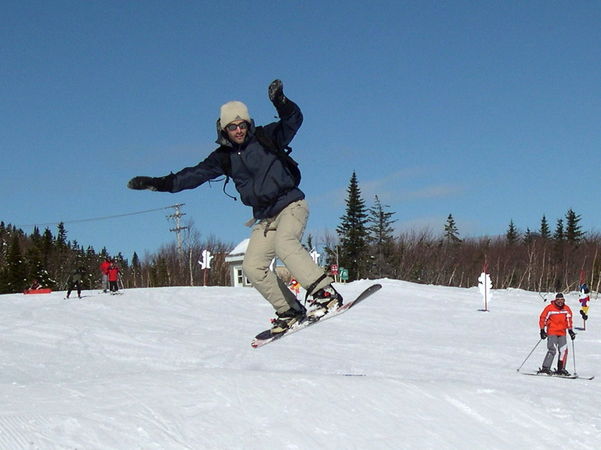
point(74, 285)
point(113, 286)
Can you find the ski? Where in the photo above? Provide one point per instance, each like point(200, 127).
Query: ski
point(78, 298)
point(265, 337)
point(574, 376)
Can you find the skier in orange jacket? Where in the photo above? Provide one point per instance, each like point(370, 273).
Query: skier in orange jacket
point(557, 318)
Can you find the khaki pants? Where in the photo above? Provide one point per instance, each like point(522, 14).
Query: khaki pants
point(280, 236)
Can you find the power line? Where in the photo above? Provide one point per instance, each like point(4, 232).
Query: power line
point(93, 219)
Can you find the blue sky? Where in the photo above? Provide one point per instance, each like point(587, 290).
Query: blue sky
point(486, 110)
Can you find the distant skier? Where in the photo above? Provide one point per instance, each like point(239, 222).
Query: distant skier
point(113, 277)
point(294, 286)
point(557, 318)
point(254, 158)
point(75, 280)
point(104, 271)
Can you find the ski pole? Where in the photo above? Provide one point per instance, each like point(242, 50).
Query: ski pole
point(531, 351)
point(574, 357)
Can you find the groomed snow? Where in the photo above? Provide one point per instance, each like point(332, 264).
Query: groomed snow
point(413, 367)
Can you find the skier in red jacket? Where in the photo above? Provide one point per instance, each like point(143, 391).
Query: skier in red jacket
point(113, 276)
point(557, 318)
point(104, 270)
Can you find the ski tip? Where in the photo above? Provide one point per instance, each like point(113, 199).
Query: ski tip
point(584, 377)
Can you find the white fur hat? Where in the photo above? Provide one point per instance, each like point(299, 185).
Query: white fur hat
point(233, 111)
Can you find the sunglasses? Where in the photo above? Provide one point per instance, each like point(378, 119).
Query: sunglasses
point(235, 126)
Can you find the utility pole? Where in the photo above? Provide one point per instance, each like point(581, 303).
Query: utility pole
point(178, 228)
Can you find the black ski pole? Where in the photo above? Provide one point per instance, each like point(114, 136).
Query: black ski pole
point(531, 351)
point(574, 357)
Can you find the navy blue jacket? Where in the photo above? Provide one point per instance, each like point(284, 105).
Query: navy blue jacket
point(260, 177)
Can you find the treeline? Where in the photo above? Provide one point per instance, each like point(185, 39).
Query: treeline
point(365, 243)
point(539, 264)
point(50, 258)
point(541, 260)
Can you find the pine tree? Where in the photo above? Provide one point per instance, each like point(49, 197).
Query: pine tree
point(528, 236)
point(46, 247)
point(573, 233)
point(159, 272)
point(512, 235)
point(136, 268)
point(559, 234)
point(352, 232)
point(60, 254)
point(451, 233)
point(309, 245)
point(381, 239)
point(545, 232)
point(61, 236)
point(15, 278)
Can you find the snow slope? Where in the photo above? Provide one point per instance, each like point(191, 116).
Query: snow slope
point(413, 367)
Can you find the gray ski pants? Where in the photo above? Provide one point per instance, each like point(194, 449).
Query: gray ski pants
point(280, 237)
point(555, 343)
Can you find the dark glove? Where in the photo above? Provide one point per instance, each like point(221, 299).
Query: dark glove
point(572, 334)
point(543, 334)
point(139, 183)
point(276, 93)
point(161, 184)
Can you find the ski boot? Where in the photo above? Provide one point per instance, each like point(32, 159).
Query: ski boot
point(284, 321)
point(324, 301)
point(545, 370)
point(584, 315)
point(561, 370)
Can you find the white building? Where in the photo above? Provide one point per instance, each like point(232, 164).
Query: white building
point(234, 260)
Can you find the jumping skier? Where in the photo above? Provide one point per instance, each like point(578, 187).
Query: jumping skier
point(255, 159)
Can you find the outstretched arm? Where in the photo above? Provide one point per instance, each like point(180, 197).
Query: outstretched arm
point(291, 117)
point(187, 178)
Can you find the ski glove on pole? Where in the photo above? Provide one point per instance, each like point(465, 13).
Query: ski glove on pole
point(572, 334)
point(161, 184)
point(543, 334)
point(279, 100)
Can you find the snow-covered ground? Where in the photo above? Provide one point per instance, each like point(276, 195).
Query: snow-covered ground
point(413, 367)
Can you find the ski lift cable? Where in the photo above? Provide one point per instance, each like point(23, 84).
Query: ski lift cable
point(93, 219)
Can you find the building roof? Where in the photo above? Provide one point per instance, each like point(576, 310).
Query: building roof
point(238, 251)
